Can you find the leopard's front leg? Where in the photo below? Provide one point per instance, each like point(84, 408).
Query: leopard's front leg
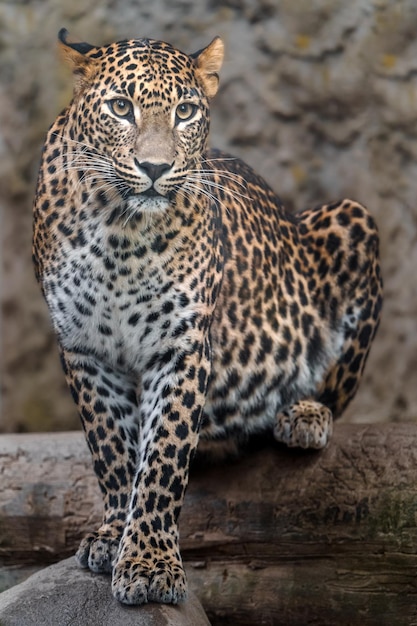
point(149, 566)
point(107, 403)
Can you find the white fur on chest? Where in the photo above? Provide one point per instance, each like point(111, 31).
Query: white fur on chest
point(121, 315)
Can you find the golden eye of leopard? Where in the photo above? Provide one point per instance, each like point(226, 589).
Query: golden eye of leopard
point(121, 107)
point(185, 112)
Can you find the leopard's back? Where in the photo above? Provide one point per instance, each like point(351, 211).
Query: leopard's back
point(299, 305)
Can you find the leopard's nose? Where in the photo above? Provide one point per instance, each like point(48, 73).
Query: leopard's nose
point(153, 170)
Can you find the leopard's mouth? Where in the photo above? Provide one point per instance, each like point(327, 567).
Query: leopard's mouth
point(151, 193)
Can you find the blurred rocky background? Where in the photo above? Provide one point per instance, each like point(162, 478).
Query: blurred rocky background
point(319, 96)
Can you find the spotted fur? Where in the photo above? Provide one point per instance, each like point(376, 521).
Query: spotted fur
point(189, 306)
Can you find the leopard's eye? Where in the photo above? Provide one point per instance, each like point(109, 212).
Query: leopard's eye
point(121, 107)
point(185, 112)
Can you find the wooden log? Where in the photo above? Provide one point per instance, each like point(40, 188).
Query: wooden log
point(278, 537)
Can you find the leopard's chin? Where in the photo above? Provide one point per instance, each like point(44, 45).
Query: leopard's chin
point(141, 203)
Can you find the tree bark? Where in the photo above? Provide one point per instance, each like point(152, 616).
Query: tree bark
point(278, 537)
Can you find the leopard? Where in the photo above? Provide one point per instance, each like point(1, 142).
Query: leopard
point(192, 310)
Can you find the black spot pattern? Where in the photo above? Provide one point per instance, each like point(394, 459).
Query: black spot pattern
point(190, 307)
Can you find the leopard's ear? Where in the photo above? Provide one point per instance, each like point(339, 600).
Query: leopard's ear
point(208, 63)
point(74, 55)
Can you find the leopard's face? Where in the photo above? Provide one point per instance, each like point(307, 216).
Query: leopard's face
point(141, 117)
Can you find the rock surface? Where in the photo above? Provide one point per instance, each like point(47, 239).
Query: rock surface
point(321, 97)
point(64, 595)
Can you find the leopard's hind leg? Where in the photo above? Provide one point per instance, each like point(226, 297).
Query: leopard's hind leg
point(354, 308)
point(305, 424)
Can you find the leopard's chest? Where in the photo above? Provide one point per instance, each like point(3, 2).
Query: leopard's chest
point(120, 305)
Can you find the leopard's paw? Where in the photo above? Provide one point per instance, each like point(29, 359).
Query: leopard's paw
point(98, 550)
point(306, 424)
point(137, 581)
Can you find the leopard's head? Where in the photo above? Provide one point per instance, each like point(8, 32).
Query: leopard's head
point(139, 119)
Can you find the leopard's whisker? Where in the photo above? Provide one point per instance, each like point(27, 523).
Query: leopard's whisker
point(233, 194)
point(191, 186)
point(236, 178)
